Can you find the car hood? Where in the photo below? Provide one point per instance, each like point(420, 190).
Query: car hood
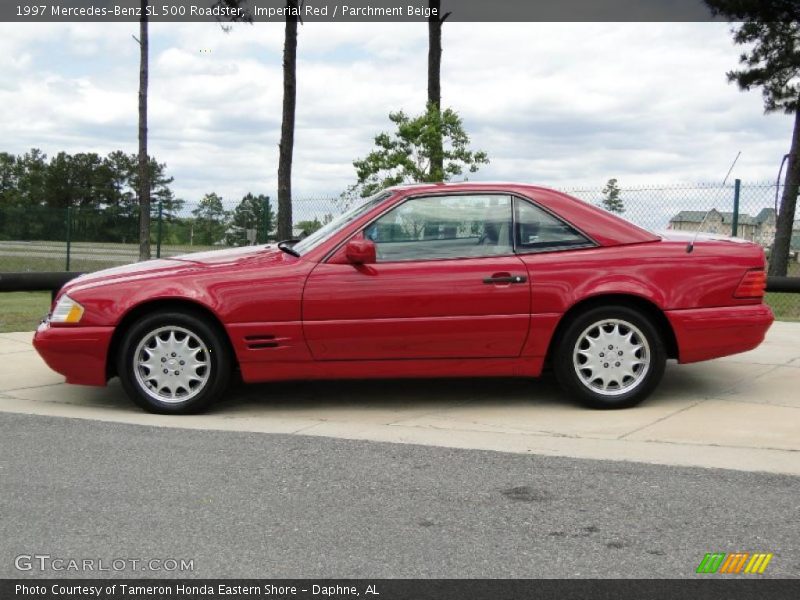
point(198, 261)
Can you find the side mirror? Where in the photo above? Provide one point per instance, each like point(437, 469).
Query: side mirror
point(361, 252)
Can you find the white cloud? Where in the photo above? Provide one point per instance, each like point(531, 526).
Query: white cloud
point(560, 104)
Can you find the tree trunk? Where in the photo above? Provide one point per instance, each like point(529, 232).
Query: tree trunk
point(144, 163)
point(779, 257)
point(435, 85)
point(287, 126)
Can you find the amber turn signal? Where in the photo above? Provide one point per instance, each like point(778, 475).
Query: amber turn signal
point(752, 284)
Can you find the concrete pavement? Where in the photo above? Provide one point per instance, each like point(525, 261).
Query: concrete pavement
point(740, 412)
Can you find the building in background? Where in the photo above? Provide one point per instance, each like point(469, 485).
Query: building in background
point(759, 229)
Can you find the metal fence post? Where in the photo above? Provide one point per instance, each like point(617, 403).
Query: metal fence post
point(737, 186)
point(158, 230)
point(69, 235)
point(265, 219)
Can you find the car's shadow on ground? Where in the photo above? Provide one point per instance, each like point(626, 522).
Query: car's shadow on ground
point(391, 393)
point(422, 394)
point(412, 395)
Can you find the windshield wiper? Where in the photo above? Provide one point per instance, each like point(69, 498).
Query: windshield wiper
point(284, 245)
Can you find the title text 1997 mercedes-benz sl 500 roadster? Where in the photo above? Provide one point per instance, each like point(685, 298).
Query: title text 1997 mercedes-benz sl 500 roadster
point(438, 280)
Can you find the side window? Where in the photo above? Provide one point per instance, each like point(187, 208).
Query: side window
point(439, 227)
point(537, 229)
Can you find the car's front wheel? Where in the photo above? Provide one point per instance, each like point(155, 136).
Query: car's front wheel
point(610, 357)
point(173, 362)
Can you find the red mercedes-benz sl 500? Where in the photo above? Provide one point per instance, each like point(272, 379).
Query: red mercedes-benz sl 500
point(438, 280)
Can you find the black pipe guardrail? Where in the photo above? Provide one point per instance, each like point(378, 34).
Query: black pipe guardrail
point(36, 281)
point(790, 285)
point(53, 281)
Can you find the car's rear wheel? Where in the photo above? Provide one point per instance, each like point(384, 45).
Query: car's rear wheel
point(610, 357)
point(174, 362)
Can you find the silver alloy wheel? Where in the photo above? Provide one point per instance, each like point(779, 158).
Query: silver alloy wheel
point(172, 364)
point(611, 357)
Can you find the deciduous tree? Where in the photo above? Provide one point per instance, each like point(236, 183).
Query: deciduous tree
point(405, 155)
point(254, 213)
point(308, 227)
point(210, 221)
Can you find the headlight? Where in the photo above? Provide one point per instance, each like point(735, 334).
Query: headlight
point(66, 311)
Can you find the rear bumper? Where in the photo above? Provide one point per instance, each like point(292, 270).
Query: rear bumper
point(78, 353)
point(706, 333)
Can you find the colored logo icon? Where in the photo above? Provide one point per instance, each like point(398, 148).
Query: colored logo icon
point(734, 563)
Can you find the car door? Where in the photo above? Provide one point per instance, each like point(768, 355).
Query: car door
point(446, 284)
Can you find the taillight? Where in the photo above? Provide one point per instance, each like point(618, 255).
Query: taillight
point(752, 285)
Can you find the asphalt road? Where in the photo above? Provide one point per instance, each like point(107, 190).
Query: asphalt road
point(257, 505)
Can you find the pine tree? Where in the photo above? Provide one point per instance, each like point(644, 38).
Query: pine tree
point(435, 21)
point(612, 201)
point(144, 161)
point(293, 17)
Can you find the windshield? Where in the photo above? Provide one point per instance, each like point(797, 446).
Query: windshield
point(322, 234)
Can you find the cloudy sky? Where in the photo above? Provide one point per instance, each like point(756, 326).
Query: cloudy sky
point(566, 105)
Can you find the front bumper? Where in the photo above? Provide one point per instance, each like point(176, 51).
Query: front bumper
point(78, 353)
point(705, 333)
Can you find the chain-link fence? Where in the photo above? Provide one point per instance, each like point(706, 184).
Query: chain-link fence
point(90, 238)
point(746, 210)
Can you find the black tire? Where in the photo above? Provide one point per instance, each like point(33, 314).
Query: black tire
point(213, 353)
point(629, 381)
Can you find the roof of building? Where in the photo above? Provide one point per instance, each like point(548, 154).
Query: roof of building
point(689, 216)
point(697, 216)
point(765, 214)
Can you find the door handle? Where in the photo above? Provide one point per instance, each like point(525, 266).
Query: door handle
point(505, 279)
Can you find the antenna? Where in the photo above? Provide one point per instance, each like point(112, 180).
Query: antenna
point(731, 169)
point(690, 245)
point(778, 181)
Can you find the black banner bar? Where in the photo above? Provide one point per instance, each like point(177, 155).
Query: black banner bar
point(711, 588)
point(32, 11)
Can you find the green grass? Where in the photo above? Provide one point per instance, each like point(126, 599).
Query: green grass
point(785, 306)
point(22, 311)
point(85, 256)
point(36, 263)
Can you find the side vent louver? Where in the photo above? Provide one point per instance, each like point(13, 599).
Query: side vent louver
point(258, 342)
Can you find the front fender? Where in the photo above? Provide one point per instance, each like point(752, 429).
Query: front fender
point(107, 305)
